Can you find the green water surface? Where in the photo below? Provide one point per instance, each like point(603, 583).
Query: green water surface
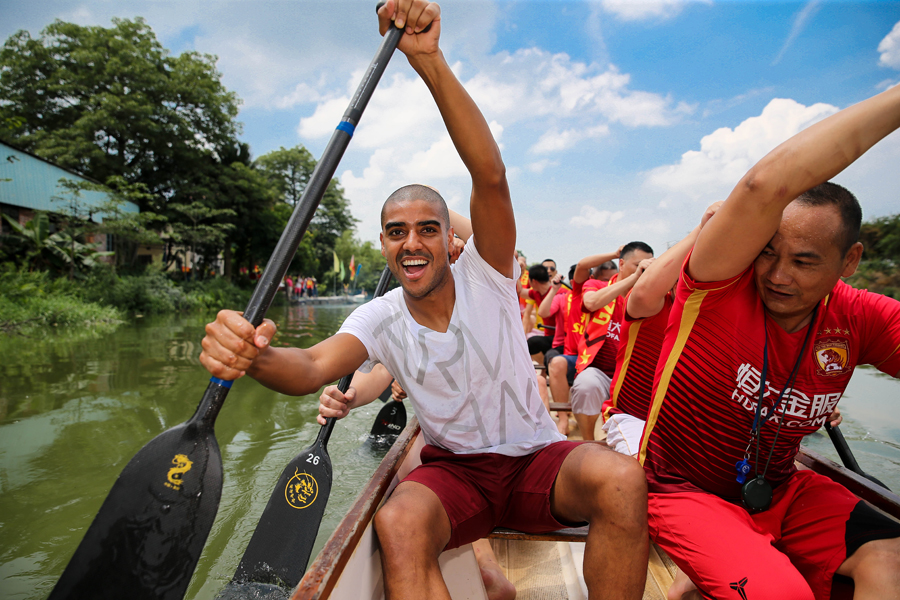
point(76, 406)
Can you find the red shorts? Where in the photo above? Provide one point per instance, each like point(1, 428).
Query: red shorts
point(790, 551)
point(484, 491)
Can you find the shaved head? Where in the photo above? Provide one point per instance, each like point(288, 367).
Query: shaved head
point(418, 191)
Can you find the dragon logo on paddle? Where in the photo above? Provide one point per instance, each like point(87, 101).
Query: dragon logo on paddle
point(176, 474)
point(302, 490)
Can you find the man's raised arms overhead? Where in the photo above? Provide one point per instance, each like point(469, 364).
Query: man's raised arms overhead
point(752, 213)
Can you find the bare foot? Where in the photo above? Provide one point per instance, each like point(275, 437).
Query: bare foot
point(497, 586)
point(562, 422)
point(683, 588)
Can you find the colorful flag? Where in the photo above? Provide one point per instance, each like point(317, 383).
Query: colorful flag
point(352, 267)
point(358, 269)
point(336, 263)
point(342, 271)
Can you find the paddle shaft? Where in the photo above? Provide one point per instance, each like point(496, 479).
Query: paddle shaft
point(278, 264)
point(843, 450)
point(287, 246)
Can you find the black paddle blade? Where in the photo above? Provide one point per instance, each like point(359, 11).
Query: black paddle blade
point(388, 424)
point(282, 543)
point(148, 535)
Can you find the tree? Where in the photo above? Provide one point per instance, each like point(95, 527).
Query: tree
point(113, 102)
point(289, 171)
point(34, 246)
point(204, 228)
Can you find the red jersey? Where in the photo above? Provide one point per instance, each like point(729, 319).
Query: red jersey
point(537, 298)
point(632, 384)
point(600, 343)
point(575, 317)
point(558, 313)
point(524, 282)
point(707, 379)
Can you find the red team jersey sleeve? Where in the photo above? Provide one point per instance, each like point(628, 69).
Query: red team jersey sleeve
point(639, 348)
point(708, 379)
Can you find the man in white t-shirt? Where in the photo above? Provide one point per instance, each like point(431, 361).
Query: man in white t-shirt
point(451, 338)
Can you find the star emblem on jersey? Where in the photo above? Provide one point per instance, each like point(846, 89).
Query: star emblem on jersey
point(739, 587)
point(832, 357)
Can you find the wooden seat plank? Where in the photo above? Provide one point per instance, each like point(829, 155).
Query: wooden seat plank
point(570, 534)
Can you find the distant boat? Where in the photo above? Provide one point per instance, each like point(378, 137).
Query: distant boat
point(342, 299)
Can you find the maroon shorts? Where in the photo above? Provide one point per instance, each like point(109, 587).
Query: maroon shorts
point(484, 491)
point(791, 550)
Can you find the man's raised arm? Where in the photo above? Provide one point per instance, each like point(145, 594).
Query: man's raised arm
point(584, 266)
point(493, 222)
point(752, 213)
point(648, 295)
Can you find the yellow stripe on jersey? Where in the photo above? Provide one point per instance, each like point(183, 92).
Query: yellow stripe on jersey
point(633, 330)
point(688, 317)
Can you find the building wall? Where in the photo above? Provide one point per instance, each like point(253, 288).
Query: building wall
point(29, 182)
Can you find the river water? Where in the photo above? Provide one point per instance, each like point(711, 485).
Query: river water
point(76, 406)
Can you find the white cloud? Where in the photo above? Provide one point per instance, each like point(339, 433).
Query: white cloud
point(890, 48)
point(642, 10)
point(800, 20)
point(548, 102)
point(726, 155)
point(555, 141)
point(598, 219)
point(539, 165)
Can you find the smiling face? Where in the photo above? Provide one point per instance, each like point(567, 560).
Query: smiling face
point(415, 239)
point(802, 262)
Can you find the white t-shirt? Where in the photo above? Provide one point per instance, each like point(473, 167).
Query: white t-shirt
point(473, 387)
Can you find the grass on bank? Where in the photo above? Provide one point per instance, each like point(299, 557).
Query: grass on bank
point(31, 300)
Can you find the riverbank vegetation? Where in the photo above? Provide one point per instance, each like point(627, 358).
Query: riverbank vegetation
point(879, 270)
point(31, 300)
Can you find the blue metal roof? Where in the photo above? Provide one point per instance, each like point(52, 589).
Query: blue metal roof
point(31, 182)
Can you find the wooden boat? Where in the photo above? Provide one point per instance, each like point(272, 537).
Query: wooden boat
point(540, 566)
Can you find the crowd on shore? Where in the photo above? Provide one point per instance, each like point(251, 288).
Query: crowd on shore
point(299, 287)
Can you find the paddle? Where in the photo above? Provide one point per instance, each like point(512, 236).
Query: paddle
point(283, 540)
point(389, 422)
point(843, 450)
point(147, 537)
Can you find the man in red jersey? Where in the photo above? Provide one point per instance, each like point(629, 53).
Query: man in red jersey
point(605, 271)
point(539, 278)
point(646, 313)
point(561, 367)
point(596, 362)
point(554, 308)
point(763, 342)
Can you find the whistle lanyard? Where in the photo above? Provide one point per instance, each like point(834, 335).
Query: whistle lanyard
point(759, 420)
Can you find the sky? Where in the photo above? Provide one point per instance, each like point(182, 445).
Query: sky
point(617, 121)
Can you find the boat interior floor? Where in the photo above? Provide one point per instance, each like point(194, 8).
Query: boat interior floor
point(553, 570)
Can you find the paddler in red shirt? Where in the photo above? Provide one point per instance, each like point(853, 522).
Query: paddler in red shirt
point(762, 340)
point(596, 362)
point(643, 325)
point(561, 366)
